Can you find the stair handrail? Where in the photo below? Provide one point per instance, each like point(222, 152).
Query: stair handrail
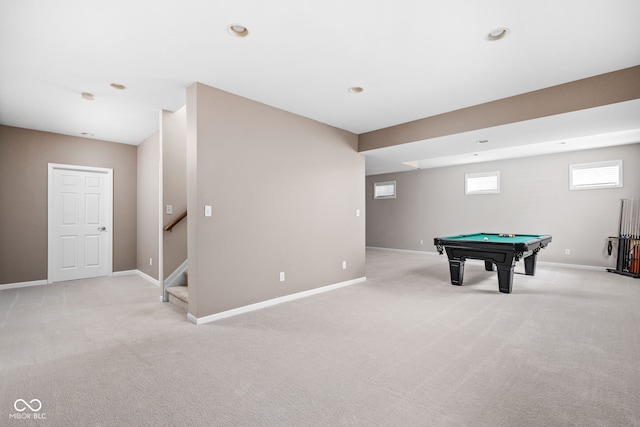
point(169, 227)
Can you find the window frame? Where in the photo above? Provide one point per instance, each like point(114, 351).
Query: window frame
point(595, 165)
point(384, 184)
point(471, 176)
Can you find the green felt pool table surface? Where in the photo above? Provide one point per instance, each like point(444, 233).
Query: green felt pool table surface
point(493, 237)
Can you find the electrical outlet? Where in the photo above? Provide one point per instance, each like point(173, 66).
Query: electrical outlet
point(421, 242)
point(150, 261)
point(168, 210)
point(567, 251)
point(344, 265)
point(357, 212)
point(282, 276)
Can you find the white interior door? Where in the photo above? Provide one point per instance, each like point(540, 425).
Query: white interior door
point(80, 223)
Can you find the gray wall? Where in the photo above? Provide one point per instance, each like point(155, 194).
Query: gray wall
point(174, 187)
point(534, 198)
point(284, 191)
point(24, 156)
point(148, 206)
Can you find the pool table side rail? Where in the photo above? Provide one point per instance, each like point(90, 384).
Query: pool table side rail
point(493, 236)
point(540, 241)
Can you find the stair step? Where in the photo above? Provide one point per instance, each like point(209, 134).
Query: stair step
point(179, 295)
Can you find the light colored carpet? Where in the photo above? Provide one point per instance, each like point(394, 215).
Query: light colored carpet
point(404, 348)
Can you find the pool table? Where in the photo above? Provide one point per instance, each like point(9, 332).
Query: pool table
point(503, 250)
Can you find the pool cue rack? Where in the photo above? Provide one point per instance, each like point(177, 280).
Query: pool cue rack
point(628, 261)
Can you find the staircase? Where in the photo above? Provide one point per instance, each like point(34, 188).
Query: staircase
point(179, 295)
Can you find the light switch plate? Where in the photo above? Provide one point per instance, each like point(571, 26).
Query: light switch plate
point(207, 210)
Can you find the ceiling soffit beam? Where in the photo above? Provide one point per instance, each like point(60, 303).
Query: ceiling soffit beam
point(604, 89)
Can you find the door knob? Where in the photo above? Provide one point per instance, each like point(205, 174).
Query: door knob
point(102, 228)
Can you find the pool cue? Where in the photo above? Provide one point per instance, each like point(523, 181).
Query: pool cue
point(624, 217)
point(637, 232)
point(620, 223)
point(626, 260)
point(628, 220)
point(630, 203)
point(636, 264)
point(619, 258)
point(634, 253)
point(632, 231)
point(638, 218)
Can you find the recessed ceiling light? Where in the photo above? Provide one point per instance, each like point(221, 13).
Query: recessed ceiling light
point(118, 86)
point(238, 30)
point(355, 89)
point(88, 96)
point(497, 34)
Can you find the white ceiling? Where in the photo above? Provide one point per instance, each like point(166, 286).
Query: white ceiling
point(413, 58)
point(614, 124)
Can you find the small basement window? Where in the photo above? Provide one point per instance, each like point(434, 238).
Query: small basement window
point(586, 176)
point(482, 183)
point(384, 190)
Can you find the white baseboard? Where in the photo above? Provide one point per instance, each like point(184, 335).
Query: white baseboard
point(551, 264)
point(124, 273)
point(137, 273)
point(271, 302)
point(147, 277)
point(114, 274)
point(24, 284)
point(577, 266)
point(406, 251)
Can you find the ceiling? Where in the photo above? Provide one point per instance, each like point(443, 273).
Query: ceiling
point(610, 125)
point(414, 59)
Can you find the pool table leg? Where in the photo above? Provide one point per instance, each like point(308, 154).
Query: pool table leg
point(488, 265)
point(456, 268)
point(530, 264)
point(505, 278)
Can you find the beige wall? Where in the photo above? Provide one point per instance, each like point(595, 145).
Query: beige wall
point(534, 198)
point(174, 187)
point(284, 191)
point(148, 221)
point(24, 156)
